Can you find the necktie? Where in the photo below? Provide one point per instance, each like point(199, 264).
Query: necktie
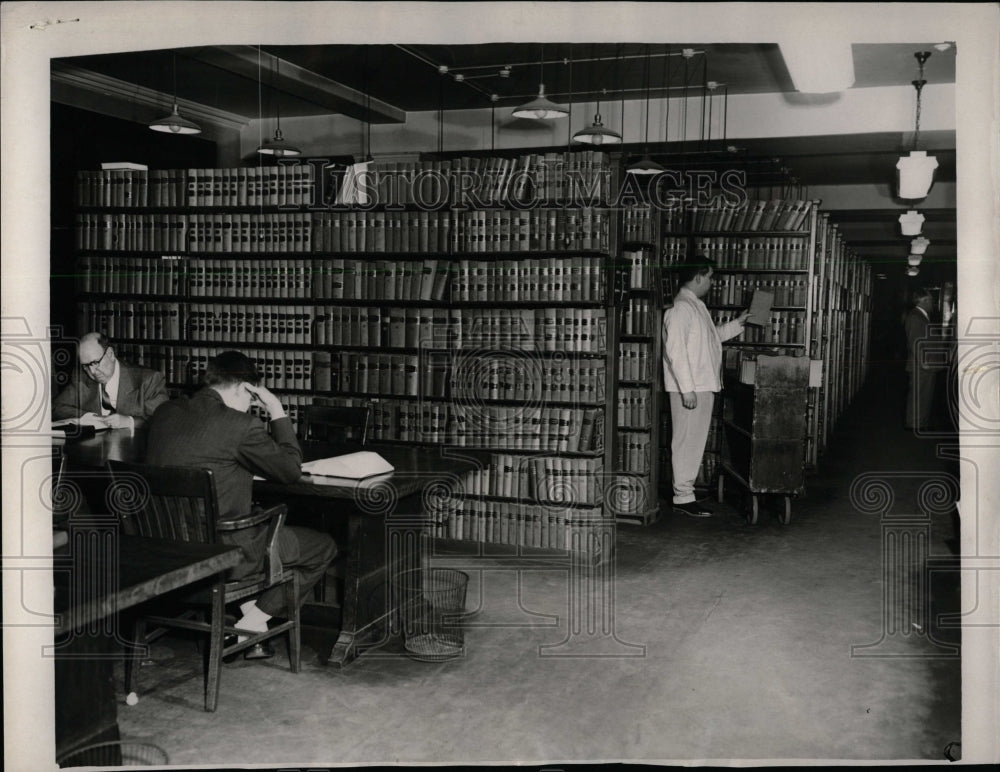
point(105, 401)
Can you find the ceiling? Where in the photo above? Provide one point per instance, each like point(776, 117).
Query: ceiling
point(382, 83)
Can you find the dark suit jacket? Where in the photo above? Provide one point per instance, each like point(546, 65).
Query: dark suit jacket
point(140, 392)
point(203, 432)
point(916, 325)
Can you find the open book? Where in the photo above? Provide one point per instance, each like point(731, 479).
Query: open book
point(355, 466)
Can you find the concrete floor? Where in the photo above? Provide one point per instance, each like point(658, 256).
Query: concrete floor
point(729, 642)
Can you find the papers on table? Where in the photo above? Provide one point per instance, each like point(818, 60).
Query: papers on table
point(353, 466)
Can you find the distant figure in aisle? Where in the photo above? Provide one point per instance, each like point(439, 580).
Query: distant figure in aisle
point(922, 375)
point(213, 430)
point(692, 365)
point(112, 394)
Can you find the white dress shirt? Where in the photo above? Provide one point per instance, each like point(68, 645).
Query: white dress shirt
point(692, 345)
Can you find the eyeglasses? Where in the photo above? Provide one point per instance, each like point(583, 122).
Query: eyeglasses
point(96, 362)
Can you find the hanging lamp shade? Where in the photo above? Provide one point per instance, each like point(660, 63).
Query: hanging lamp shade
point(916, 173)
point(541, 108)
point(919, 245)
point(911, 223)
point(912, 270)
point(914, 260)
point(278, 147)
point(645, 165)
point(175, 123)
point(598, 134)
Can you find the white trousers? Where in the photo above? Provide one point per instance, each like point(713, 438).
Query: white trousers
point(687, 444)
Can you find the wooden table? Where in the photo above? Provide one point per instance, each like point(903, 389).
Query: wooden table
point(382, 516)
point(98, 574)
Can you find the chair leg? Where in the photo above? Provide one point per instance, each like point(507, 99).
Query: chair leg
point(134, 661)
point(294, 637)
point(214, 674)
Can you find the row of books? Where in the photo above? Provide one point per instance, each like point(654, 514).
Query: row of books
point(552, 230)
point(291, 184)
point(640, 268)
point(638, 318)
point(633, 452)
point(786, 327)
point(635, 407)
point(749, 214)
point(285, 232)
point(224, 322)
point(502, 522)
point(630, 495)
point(350, 279)
point(186, 365)
point(547, 279)
point(738, 289)
point(635, 361)
point(121, 319)
point(494, 231)
point(783, 253)
point(108, 274)
point(487, 181)
point(674, 250)
point(570, 482)
point(476, 378)
point(580, 330)
point(637, 223)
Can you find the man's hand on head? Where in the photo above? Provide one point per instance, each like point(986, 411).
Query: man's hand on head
point(267, 399)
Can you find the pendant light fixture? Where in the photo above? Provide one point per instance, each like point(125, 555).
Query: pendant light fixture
point(646, 165)
point(175, 123)
point(541, 108)
point(911, 223)
point(916, 171)
point(597, 133)
point(279, 147)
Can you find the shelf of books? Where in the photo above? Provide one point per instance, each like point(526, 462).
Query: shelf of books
point(762, 247)
point(483, 324)
point(638, 439)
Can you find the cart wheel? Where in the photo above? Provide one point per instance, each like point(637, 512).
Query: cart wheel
point(786, 517)
point(753, 510)
point(721, 487)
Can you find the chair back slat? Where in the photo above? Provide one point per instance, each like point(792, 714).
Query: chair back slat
point(336, 424)
point(166, 502)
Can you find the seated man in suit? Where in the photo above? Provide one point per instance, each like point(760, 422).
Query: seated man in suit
point(113, 394)
point(213, 430)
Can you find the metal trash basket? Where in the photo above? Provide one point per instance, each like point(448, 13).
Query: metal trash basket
point(431, 605)
point(116, 753)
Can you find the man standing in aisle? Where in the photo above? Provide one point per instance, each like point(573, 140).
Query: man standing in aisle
point(692, 365)
point(113, 394)
point(213, 430)
point(920, 374)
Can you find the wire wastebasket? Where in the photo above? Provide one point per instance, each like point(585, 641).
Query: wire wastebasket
point(117, 753)
point(432, 605)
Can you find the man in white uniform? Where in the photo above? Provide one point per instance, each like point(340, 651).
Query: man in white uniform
point(692, 366)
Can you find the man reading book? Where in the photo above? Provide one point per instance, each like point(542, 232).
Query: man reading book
point(213, 430)
point(692, 364)
point(110, 394)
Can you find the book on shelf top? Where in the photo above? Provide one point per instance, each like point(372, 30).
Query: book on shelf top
point(117, 165)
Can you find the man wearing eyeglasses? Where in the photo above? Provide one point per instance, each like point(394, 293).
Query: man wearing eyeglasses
point(113, 394)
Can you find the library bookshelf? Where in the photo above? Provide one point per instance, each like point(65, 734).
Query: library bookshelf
point(479, 324)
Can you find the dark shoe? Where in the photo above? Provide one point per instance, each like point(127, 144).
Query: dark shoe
point(694, 509)
point(259, 651)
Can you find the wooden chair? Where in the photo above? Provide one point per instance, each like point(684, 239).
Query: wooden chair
point(336, 429)
point(180, 503)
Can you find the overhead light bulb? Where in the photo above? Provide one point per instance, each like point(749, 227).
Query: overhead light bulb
point(598, 134)
point(540, 108)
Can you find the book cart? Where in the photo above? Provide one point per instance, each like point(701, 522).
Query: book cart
point(764, 429)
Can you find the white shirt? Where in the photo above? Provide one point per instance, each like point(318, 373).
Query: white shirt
point(692, 345)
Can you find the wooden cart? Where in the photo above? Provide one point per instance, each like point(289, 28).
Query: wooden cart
point(764, 429)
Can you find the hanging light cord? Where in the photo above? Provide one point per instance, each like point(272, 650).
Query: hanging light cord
point(919, 85)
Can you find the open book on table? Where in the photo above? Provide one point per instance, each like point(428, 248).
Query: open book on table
point(353, 466)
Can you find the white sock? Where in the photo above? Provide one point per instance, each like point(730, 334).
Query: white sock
point(253, 619)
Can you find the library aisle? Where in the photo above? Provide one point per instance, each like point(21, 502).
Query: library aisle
point(748, 636)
